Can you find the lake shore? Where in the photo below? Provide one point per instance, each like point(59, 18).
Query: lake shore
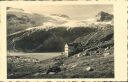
point(39, 56)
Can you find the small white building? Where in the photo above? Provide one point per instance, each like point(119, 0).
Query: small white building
point(69, 49)
point(66, 51)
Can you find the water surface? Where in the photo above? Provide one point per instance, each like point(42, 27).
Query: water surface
point(39, 56)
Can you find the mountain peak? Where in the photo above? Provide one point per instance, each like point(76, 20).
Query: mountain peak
point(104, 17)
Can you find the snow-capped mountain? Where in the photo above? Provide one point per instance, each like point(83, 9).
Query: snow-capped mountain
point(19, 19)
point(30, 31)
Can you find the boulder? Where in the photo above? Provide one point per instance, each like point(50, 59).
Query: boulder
point(73, 66)
point(106, 54)
point(78, 55)
point(89, 69)
point(36, 74)
point(106, 48)
point(54, 69)
point(52, 73)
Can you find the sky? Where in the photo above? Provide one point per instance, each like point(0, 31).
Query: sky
point(77, 12)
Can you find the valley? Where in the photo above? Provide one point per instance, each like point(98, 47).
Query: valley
point(38, 36)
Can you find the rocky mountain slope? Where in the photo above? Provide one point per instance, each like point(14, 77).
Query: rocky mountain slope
point(94, 59)
point(30, 32)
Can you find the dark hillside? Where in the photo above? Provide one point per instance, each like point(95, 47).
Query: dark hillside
point(94, 61)
point(51, 40)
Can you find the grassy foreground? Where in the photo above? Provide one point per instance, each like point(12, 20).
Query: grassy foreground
point(101, 66)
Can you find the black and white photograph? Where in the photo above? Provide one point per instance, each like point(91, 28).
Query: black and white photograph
point(60, 41)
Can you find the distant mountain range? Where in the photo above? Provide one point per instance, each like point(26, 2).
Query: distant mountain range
point(18, 19)
point(30, 32)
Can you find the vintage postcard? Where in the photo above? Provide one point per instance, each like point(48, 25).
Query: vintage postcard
point(70, 41)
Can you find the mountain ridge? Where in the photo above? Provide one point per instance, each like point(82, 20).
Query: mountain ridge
point(18, 21)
